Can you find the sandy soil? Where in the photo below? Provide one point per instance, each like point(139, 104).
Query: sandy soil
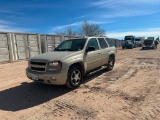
point(130, 92)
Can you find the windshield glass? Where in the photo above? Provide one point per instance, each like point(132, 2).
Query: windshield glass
point(71, 45)
point(148, 41)
point(128, 38)
point(150, 38)
point(137, 39)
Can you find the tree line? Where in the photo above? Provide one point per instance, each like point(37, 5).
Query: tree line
point(86, 29)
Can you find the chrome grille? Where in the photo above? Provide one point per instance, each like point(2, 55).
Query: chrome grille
point(39, 66)
point(38, 63)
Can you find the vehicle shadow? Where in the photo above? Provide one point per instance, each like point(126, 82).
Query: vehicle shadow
point(146, 49)
point(29, 95)
point(92, 76)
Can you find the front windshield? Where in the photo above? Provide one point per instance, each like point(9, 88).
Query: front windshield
point(137, 39)
point(150, 38)
point(128, 38)
point(71, 45)
point(148, 41)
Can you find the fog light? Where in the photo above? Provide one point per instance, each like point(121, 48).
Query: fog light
point(53, 78)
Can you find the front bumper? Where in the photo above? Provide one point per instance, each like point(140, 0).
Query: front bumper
point(148, 46)
point(51, 77)
point(127, 45)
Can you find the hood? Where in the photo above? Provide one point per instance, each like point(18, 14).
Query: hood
point(57, 55)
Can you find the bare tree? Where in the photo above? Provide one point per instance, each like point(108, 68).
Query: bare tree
point(87, 29)
point(67, 32)
point(60, 33)
point(90, 29)
point(70, 32)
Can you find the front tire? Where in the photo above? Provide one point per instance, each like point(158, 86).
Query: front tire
point(75, 77)
point(110, 64)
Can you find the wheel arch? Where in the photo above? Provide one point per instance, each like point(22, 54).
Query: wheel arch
point(112, 55)
point(79, 64)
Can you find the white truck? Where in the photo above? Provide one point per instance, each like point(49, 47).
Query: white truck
point(149, 43)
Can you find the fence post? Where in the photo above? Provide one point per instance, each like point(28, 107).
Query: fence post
point(45, 43)
point(39, 43)
point(14, 46)
point(62, 37)
point(10, 47)
point(115, 43)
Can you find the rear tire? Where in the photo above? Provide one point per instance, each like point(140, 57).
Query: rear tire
point(74, 77)
point(110, 64)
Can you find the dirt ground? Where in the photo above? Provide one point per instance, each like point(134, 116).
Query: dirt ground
point(131, 91)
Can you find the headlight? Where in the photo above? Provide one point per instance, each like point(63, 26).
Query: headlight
point(55, 65)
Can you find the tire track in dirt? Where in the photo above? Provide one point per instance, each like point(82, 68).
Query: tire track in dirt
point(119, 76)
point(64, 108)
point(150, 108)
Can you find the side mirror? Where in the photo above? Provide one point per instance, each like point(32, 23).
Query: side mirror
point(90, 48)
point(55, 49)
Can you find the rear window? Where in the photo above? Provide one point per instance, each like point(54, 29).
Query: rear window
point(102, 43)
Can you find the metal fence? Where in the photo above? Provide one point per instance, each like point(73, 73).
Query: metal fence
point(5, 45)
point(116, 42)
point(49, 42)
point(19, 46)
point(22, 46)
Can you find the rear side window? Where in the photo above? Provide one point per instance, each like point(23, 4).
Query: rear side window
point(102, 43)
point(110, 42)
point(93, 42)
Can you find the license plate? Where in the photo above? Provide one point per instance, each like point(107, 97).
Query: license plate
point(34, 77)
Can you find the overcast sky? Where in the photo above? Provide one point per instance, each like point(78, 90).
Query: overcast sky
point(117, 17)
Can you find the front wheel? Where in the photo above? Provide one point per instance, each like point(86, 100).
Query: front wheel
point(110, 64)
point(75, 77)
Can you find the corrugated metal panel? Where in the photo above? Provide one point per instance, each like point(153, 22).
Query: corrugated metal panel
point(58, 40)
point(4, 48)
point(43, 43)
point(33, 45)
point(66, 37)
point(3, 43)
point(50, 39)
point(50, 48)
point(21, 46)
point(50, 42)
point(26, 45)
